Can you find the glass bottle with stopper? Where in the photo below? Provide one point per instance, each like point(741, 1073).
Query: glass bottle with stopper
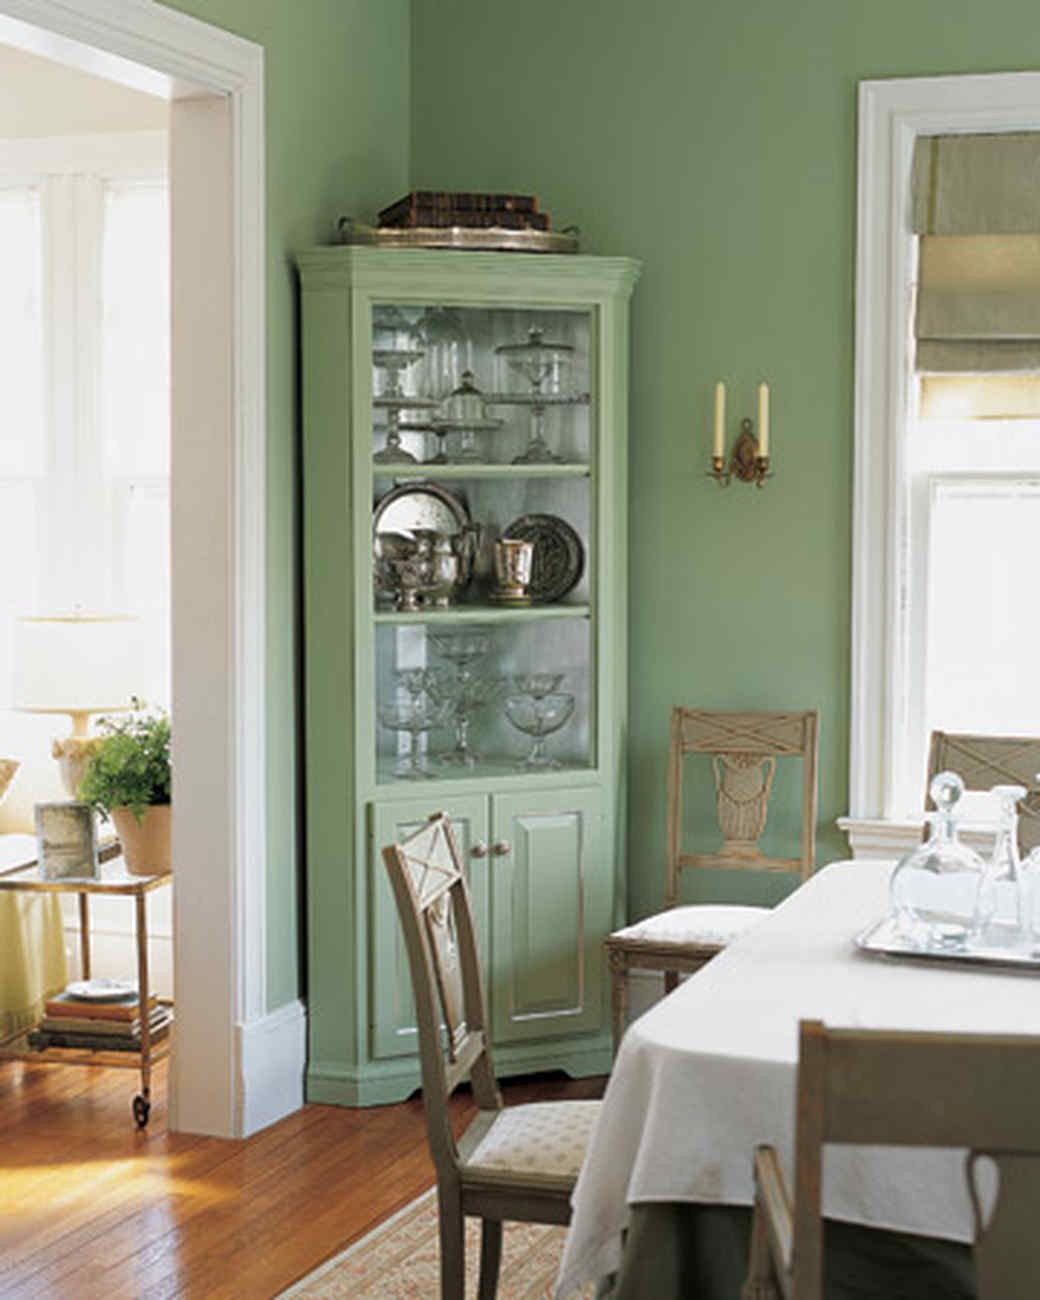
point(933, 891)
point(1002, 918)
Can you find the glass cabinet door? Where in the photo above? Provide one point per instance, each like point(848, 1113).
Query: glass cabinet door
point(483, 464)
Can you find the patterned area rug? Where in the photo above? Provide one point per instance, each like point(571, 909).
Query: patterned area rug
point(400, 1260)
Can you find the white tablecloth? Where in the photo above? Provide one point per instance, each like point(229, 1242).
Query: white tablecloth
point(710, 1072)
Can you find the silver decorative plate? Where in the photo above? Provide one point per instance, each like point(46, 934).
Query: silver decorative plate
point(419, 505)
point(882, 939)
point(559, 557)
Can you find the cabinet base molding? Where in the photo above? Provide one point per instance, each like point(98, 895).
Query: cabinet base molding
point(381, 1082)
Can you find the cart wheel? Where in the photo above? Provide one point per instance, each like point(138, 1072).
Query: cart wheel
point(142, 1109)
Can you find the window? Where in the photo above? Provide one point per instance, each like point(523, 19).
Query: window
point(84, 394)
point(947, 464)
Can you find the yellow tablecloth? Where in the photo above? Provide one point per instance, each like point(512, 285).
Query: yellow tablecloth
point(32, 946)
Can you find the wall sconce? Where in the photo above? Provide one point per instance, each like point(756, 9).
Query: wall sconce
point(749, 459)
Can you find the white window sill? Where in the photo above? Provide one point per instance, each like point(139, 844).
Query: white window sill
point(887, 838)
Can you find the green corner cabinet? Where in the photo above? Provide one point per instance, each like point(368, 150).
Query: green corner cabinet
point(465, 625)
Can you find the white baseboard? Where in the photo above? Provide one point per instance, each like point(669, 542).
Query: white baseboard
point(272, 1058)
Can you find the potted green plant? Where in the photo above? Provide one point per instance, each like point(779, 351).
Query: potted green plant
point(127, 779)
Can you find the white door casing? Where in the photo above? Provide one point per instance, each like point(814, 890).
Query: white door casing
point(236, 1067)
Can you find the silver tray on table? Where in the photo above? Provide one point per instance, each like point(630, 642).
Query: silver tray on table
point(882, 939)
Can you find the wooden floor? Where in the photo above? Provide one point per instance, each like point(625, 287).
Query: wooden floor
point(91, 1208)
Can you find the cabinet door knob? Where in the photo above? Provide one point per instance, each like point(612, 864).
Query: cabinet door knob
point(500, 848)
point(478, 850)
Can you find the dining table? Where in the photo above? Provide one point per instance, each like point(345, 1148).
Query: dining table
point(662, 1204)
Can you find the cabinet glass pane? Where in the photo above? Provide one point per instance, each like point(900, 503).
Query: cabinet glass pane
point(501, 699)
point(480, 386)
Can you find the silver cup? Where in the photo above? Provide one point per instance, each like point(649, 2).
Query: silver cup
point(513, 560)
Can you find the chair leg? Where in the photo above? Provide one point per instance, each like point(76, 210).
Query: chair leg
point(490, 1257)
point(453, 1255)
point(671, 981)
point(618, 996)
point(759, 1283)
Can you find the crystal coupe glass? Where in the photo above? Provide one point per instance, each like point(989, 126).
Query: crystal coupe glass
point(464, 696)
point(414, 715)
point(539, 717)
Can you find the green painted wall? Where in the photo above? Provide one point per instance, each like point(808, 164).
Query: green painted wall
point(337, 141)
point(718, 143)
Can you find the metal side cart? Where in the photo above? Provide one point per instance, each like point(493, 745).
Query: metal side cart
point(20, 873)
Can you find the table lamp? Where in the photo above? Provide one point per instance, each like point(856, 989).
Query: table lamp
point(77, 664)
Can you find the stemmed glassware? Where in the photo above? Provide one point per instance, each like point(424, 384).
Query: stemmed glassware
point(544, 366)
point(464, 693)
point(415, 711)
point(461, 689)
point(539, 718)
point(396, 347)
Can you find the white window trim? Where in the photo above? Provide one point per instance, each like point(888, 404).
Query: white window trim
point(892, 114)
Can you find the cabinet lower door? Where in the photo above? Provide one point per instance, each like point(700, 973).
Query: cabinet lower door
point(392, 1007)
point(550, 904)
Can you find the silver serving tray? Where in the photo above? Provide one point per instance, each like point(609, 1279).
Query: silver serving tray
point(489, 239)
point(882, 939)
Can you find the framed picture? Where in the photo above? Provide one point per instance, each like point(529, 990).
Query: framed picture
point(66, 843)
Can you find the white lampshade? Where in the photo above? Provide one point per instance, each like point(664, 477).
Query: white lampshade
point(77, 663)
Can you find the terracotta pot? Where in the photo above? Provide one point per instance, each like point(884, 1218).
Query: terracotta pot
point(146, 843)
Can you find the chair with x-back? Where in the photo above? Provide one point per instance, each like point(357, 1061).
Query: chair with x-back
point(513, 1163)
point(743, 748)
point(985, 761)
point(864, 1088)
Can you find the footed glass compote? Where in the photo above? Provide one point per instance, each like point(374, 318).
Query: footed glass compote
point(539, 717)
point(465, 695)
point(538, 685)
point(395, 349)
point(415, 716)
point(544, 366)
point(461, 649)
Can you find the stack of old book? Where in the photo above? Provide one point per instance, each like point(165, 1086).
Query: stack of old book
point(110, 1026)
point(441, 209)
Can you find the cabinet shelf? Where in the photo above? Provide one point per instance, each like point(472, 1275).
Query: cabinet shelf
point(500, 769)
point(449, 472)
point(462, 614)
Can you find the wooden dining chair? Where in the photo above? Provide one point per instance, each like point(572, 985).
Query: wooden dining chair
point(513, 1163)
point(985, 761)
point(743, 748)
point(882, 1088)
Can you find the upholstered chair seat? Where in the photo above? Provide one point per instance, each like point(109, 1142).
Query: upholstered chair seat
point(712, 925)
point(542, 1141)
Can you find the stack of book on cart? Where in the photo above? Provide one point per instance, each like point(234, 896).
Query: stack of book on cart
point(99, 1015)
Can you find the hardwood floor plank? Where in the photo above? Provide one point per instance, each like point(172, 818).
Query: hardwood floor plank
point(90, 1209)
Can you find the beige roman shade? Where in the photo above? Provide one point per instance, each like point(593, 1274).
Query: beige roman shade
point(976, 208)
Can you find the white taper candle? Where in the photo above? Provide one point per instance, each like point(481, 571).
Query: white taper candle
point(720, 419)
point(763, 419)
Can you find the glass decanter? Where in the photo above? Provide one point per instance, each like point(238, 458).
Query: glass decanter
point(933, 891)
point(1002, 917)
